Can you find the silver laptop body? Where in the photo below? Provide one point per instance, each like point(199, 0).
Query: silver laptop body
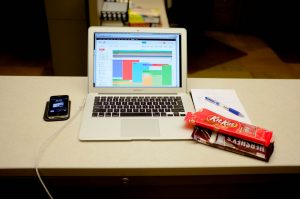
point(136, 64)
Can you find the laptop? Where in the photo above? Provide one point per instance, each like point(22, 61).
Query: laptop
point(137, 84)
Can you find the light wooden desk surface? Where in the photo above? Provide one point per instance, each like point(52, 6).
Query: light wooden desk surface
point(270, 103)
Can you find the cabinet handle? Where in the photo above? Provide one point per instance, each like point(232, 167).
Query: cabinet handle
point(125, 181)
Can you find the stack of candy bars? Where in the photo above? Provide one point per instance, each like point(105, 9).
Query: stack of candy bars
point(215, 130)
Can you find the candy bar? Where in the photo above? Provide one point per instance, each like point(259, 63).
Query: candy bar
point(213, 121)
point(233, 144)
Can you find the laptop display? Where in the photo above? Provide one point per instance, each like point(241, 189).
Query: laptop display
point(137, 60)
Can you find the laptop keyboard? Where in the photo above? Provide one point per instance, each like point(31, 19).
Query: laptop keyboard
point(134, 106)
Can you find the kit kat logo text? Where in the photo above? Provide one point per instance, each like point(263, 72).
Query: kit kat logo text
point(216, 120)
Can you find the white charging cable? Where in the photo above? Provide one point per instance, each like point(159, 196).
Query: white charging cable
point(45, 145)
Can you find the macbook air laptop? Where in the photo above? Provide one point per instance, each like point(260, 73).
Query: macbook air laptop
point(136, 84)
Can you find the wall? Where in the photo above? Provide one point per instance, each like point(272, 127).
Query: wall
point(24, 31)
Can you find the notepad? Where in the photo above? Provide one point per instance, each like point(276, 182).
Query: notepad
point(227, 97)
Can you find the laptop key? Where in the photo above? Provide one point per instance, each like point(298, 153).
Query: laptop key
point(115, 115)
point(101, 115)
point(94, 114)
point(135, 114)
point(99, 110)
point(177, 110)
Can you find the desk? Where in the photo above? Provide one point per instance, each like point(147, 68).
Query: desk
point(273, 104)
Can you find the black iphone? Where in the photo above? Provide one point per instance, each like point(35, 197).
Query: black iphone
point(58, 108)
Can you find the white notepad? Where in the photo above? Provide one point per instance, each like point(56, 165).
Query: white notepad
point(227, 97)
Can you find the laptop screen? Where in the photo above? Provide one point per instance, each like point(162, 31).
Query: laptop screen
point(137, 60)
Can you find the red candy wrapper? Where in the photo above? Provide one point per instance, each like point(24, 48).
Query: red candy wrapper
point(213, 121)
point(233, 144)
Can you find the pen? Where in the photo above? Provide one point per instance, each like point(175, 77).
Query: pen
point(225, 107)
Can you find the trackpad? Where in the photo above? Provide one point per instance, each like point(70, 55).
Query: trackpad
point(139, 128)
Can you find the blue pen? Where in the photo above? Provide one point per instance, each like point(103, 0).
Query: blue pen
point(225, 107)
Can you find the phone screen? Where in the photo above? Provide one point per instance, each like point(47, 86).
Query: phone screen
point(58, 106)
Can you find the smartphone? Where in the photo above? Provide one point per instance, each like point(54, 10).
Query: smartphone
point(58, 107)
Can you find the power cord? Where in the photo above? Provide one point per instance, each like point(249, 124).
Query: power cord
point(45, 145)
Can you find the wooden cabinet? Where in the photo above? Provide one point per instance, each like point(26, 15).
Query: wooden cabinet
point(206, 186)
point(68, 24)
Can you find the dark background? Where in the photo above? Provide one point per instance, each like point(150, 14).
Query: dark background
point(273, 21)
point(24, 29)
